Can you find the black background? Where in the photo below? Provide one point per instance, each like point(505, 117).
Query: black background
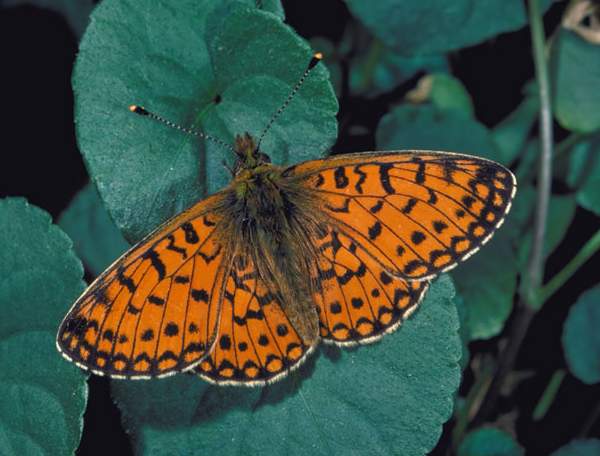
point(40, 161)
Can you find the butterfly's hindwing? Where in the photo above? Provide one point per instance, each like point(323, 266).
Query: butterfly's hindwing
point(358, 300)
point(256, 341)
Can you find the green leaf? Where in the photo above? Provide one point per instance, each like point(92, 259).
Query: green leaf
point(560, 214)
point(579, 447)
point(489, 441)
point(378, 69)
point(511, 133)
point(584, 173)
point(521, 214)
point(575, 65)
point(487, 283)
point(448, 93)
point(581, 338)
point(391, 397)
point(437, 26)
point(75, 12)
point(96, 238)
point(42, 396)
point(427, 127)
point(222, 67)
point(463, 315)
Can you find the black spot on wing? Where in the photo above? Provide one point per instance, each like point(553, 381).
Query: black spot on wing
point(375, 230)
point(341, 180)
point(384, 178)
point(420, 176)
point(175, 248)
point(156, 263)
point(408, 207)
point(361, 180)
point(376, 207)
point(345, 208)
point(191, 236)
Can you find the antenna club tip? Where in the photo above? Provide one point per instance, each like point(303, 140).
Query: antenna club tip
point(315, 59)
point(138, 110)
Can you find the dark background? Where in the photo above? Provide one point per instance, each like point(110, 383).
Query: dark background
point(41, 162)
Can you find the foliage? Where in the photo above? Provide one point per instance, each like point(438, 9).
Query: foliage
point(489, 442)
point(581, 339)
point(42, 398)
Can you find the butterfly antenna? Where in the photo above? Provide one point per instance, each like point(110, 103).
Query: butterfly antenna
point(190, 131)
point(313, 62)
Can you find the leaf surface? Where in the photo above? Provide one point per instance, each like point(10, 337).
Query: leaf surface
point(42, 396)
point(221, 67)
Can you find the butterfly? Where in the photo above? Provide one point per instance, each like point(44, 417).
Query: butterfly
point(241, 287)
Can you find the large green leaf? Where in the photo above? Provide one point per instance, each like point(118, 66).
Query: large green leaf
point(584, 173)
point(575, 64)
point(581, 338)
point(437, 26)
point(388, 398)
point(489, 441)
point(579, 447)
point(487, 283)
point(221, 66)
point(42, 397)
point(428, 127)
point(96, 238)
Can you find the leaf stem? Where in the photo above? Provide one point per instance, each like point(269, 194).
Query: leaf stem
point(532, 282)
point(589, 422)
point(472, 401)
point(549, 394)
point(566, 144)
point(589, 249)
point(371, 61)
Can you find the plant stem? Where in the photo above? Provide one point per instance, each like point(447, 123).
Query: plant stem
point(549, 394)
point(371, 61)
point(589, 423)
point(532, 282)
point(536, 261)
point(474, 397)
point(566, 144)
point(589, 249)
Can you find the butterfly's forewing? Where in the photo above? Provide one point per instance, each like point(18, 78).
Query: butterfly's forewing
point(417, 213)
point(256, 342)
point(154, 311)
point(358, 300)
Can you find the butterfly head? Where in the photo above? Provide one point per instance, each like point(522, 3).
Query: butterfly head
point(248, 154)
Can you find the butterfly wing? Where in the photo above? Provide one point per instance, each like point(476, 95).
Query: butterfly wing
point(154, 311)
point(256, 342)
point(358, 301)
point(417, 213)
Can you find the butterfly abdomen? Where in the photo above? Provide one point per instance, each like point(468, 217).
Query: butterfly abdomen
point(272, 218)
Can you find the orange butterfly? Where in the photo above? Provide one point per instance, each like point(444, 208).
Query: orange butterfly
point(243, 285)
